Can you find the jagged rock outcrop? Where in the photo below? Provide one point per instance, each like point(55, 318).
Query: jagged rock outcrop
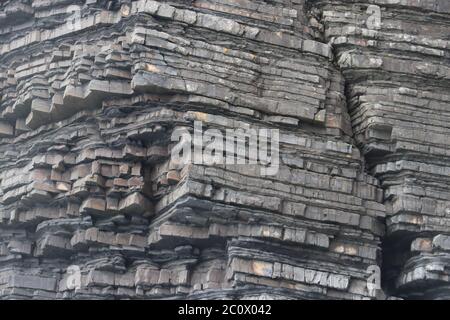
point(93, 205)
point(397, 80)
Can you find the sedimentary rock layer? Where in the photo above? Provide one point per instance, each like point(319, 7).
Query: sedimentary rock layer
point(397, 80)
point(92, 92)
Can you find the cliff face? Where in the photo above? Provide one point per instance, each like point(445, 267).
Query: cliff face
point(93, 204)
point(397, 89)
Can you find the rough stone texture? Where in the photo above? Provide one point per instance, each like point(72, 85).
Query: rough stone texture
point(398, 81)
point(88, 107)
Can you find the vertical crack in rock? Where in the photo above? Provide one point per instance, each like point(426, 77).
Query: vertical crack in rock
point(93, 204)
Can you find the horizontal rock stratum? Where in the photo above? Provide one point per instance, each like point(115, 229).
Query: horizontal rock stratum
point(93, 205)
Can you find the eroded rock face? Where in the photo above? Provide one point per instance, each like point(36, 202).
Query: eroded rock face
point(93, 205)
point(397, 78)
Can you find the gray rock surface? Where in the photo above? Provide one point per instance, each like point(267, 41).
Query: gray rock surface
point(93, 207)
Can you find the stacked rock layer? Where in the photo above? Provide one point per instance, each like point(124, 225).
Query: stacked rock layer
point(397, 87)
point(92, 92)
